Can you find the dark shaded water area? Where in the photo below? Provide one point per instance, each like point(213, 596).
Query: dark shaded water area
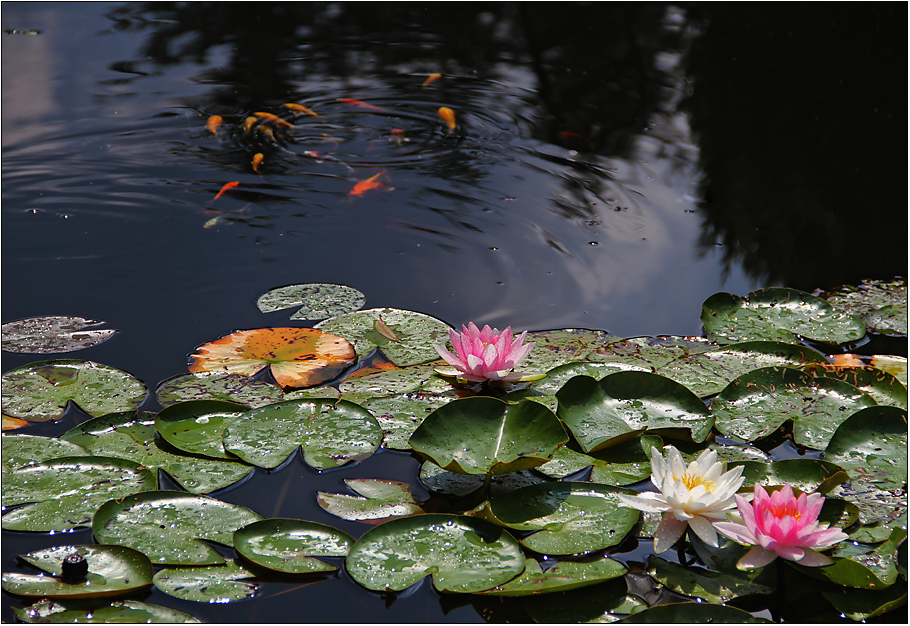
point(613, 165)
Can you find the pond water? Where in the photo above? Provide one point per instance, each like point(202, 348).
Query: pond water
point(612, 166)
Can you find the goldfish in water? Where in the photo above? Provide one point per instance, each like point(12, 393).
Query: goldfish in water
point(213, 123)
point(226, 186)
point(270, 117)
point(299, 108)
point(248, 123)
point(432, 78)
point(366, 185)
point(448, 116)
point(365, 105)
point(257, 159)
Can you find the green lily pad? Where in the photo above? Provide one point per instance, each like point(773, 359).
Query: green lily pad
point(416, 334)
point(126, 612)
point(863, 605)
point(196, 426)
point(883, 387)
point(211, 583)
point(239, 388)
point(713, 587)
point(808, 475)
point(463, 554)
point(317, 301)
point(133, 437)
point(442, 482)
point(378, 499)
point(484, 435)
point(872, 444)
point(599, 604)
point(881, 303)
point(757, 403)
point(112, 570)
point(560, 375)
point(777, 314)
point(395, 382)
point(291, 546)
point(622, 464)
point(570, 517)
point(399, 416)
point(693, 613)
point(168, 526)
point(894, 365)
point(38, 392)
point(707, 373)
point(330, 433)
point(618, 407)
point(53, 334)
point(553, 348)
point(874, 570)
point(20, 450)
point(650, 353)
point(561, 576)
point(62, 494)
point(876, 505)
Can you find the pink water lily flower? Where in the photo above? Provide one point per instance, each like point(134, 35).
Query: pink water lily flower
point(781, 525)
point(486, 355)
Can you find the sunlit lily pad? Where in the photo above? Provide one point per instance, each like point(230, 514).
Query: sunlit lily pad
point(758, 402)
point(112, 570)
point(317, 301)
point(863, 605)
point(53, 334)
point(129, 436)
point(211, 583)
point(808, 475)
point(570, 517)
point(894, 365)
point(64, 493)
point(12, 423)
point(872, 444)
point(693, 613)
point(395, 382)
point(126, 612)
point(414, 334)
point(650, 353)
point(707, 373)
point(560, 375)
point(713, 587)
point(296, 357)
point(442, 482)
point(622, 464)
point(197, 426)
point(38, 392)
point(876, 505)
point(378, 500)
point(19, 450)
point(252, 392)
point(168, 526)
point(616, 408)
point(329, 433)
point(561, 576)
point(883, 387)
point(874, 570)
point(881, 304)
point(399, 416)
point(291, 546)
point(777, 314)
point(463, 554)
point(484, 435)
point(558, 347)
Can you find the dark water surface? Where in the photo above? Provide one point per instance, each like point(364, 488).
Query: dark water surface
point(613, 166)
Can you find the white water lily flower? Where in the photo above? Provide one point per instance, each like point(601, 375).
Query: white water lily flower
point(695, 496)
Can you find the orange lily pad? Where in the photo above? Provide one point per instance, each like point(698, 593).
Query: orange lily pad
point(297, 357)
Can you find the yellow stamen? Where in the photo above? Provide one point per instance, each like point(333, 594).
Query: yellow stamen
point(691, 482)
point(783, 511)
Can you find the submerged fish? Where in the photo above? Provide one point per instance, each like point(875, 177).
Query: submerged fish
point(257, 159)
point(448, 116)
point(366, 185)
point(248, 123)
point(432, 78)
point(365, 105)
point(271, 117)
point(213, 123)
point(299, 108)
point(226, 187)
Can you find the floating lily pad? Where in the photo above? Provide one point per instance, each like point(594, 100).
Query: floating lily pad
point(883, 387)
point(129, 436)
point(378, 500)
point(19, 450)
point(570, 517)
point(112, 570)
point(291, 546)
point(650, 353)
point(777, 314)
point(463, 554)
point(713, 587)
point(707, 373)
point(252, 392)
point(618, 407)
point(894, 365)
point(297, 357)
point(53, 334)
point(558, 347)
point(872, 444)
point(12, 423)
point(874, 570)
point(168, 526)
point(197, 426)
point(562, 576)
point(38, 392)
point(881, 304)
point(560, 375)
point(126, 612)
point(863, 605)
point(622, 464)
point(395, 382)
point(415, 334)
point(439, 481)
point(399, 416)
point(329, 433)
point(876, 505)
point(807, 475)
point(317, 301)
point(484, 435)
point(62, 494)
point(758, 402)
point(211, 583)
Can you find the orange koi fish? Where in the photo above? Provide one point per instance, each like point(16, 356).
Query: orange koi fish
point(273, 118)
point(257, 159)
point(213, 123)
point(448, 116)
point(248, 123)
point(299, 108)
point(267, 131)
point(432, 78)
point(227, 186)
point(366, 185)
point(360, 104)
